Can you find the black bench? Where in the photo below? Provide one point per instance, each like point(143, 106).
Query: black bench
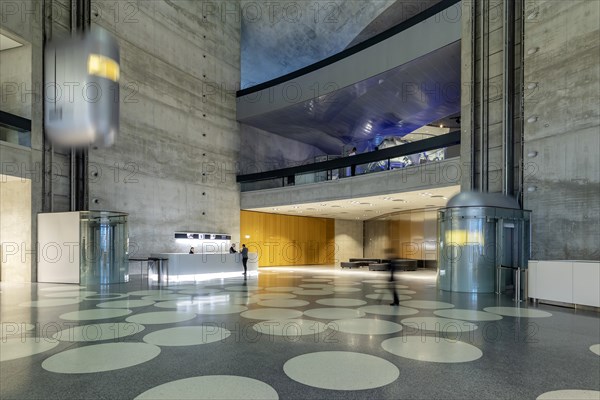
point(364, 262)
point(350, 265)
point(401, 264)
point(379, 267)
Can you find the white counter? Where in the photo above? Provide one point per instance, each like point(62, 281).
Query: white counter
point(568, 281)
point(196, 267)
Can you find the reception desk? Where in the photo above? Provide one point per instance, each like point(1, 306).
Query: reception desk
point(198, 267)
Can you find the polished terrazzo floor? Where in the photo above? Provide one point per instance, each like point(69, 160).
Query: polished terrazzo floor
point(291, 333)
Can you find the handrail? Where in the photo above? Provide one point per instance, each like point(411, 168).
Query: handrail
point(433, 143)
point(428, 13)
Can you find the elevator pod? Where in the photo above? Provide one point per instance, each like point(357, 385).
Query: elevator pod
point(484, 244)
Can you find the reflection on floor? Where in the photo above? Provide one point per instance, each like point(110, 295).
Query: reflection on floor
point(291, 333)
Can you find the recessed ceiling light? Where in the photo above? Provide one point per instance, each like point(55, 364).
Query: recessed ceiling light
point(437, 196)
point(335, 206)
point(295, 206)
point(400, 200)
point(323, 204)
point(312, 209)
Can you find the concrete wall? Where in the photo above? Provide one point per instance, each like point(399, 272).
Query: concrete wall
point(15, 80)
point(173, 165)
point(15, 230)
point(565, 173)
point(348, 240)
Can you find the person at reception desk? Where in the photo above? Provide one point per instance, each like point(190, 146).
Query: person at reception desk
point(192, 250)
point(232, 249)
point(245, 258)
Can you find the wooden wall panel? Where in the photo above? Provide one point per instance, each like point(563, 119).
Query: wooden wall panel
point(288, 240)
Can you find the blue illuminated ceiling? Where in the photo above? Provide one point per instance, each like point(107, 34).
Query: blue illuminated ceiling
point(392, 103)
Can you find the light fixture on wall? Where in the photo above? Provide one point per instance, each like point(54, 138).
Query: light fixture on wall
point(532, 154)
point(247, 236)
point(532, 119)
point(532, 85)
point(532, 189)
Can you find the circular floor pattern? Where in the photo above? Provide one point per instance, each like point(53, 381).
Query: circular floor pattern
point(100, 357)
point(376, 281)
point(8, 329)
point(518, 312)
point(283, 303)
point(386, 297)
point(210, 387)
point(19, 347)
point(219, 309)
point(72, 293)
point(312, 292)
point(431, 349)
point(327, 276)
point(62, 288)
point(453, 327)
point(149, 292)
point(106, 296)
point(365, 326)
point(570, 394)
point(98, 332)
point(102, 313)
point(334, 313)
point(125, 304)
point(382, 286)
point(595, 349)
point(243, 288)
point(341, 370)
point(284, 276)
point(50, 302)
point(316, 280)
point(316, 286)
point(426, 304)
point(343, 289)
point(161, 317)
point(271, 296)
point(243, 300)
point(469, 315)
point(339, 302)
point(187, 335)
point(271, 314)
point(345, 283)
point(399, 291)
point(167, 296)
point(389, 310)
point(290, 328)
point(200, 291)
point(282, 288)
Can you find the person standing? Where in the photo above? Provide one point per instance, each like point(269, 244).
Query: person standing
point(245, 258)
point(352, 170)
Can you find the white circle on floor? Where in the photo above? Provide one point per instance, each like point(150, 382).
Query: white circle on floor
point(431, 349)
point(243, 288)
point(571, 394)
point(87, 315)
point(200, 291)
point(100, 357)
point(426, 304)
point(382, 286)
point(316, 286)
point(51, 302)
point(291, 328)
point(271, 296)
point(313, 292)
point(106, 296)
point(80, 293)
point(345, 283)
point(365, 326)
point(329, 277)
point(161, 317)
point(187, 335)
point(149, 292)
point(343, 289)
point(271, 314)
point(282, 288)
point(243, 300)
point(334, 313)
point(399, 291)
point(595, 349)
point(19, 347)
point(125, 304)
point(98, 332)
point(439, 324)
point(8, 329)
point(518, 312)
point(386, 296)
point(219, 309)
point(283, 303)
point(341, 370)
point(167, 296)
point(388, 310)
point(210, 387)
point(316, 280)
point(376, 281)
point(339, 302)
point(469, 315)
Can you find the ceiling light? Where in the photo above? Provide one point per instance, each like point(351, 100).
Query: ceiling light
point(295, 206)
